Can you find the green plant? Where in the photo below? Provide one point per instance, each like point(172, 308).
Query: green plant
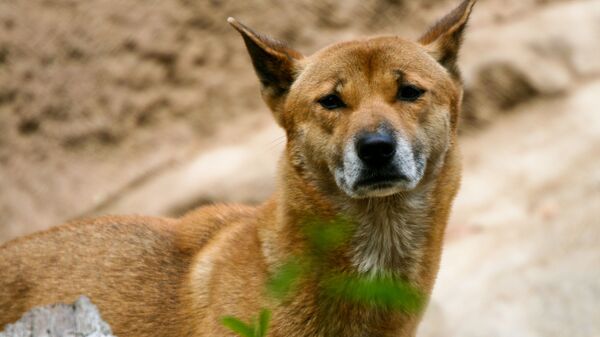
point(256, 328)
point(380, 291)
point(383, 291)
point(285, 279)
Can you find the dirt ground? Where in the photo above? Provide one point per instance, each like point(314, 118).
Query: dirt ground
point(151, 107)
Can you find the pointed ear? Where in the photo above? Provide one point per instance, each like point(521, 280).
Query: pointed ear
point(275, 64)
point(443, 40)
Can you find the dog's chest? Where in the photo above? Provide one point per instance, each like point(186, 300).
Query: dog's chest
point(391, 236)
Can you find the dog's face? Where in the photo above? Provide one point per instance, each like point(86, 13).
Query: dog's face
point(376, 113)
point(375, 116)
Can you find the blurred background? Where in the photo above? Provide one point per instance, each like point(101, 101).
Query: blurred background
point(152, 107)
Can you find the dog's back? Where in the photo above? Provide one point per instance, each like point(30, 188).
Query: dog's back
point(102, 258)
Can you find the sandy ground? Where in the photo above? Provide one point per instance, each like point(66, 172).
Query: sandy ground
point(151, 107)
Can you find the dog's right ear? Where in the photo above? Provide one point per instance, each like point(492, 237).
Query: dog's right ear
point(274, 63)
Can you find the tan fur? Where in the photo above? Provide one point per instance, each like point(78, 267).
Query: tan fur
point(178, 277)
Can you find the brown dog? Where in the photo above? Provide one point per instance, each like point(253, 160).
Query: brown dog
point(371, 136)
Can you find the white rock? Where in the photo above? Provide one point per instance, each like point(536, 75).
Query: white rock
point(80, 319)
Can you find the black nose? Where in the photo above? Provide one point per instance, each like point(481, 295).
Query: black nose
point(376, 149)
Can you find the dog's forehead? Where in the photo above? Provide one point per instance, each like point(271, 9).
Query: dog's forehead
point(374, 55)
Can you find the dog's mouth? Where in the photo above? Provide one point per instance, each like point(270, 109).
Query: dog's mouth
point(378, 180)
point(380, 184)
point(377, 184)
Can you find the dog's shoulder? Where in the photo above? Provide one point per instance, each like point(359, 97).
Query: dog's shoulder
point(196, 228)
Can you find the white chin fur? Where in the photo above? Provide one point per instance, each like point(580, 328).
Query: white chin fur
point(377, 192)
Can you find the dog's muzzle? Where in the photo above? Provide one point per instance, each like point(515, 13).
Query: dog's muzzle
point(378, 164)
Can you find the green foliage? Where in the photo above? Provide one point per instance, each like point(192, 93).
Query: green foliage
point(383, 292)
point(327, 236)
point(286, 278)
point(258, 328)
point(237, 326)
point(263, 323)
point(322, 237)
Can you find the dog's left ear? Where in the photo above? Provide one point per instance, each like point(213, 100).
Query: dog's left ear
point(443, 40)
point(274, 63)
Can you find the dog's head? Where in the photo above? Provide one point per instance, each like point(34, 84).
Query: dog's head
point(375, 116)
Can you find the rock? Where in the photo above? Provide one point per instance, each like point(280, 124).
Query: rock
point(80, 319)
point(537, 56)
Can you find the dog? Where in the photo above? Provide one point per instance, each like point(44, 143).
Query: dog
point(371, 129)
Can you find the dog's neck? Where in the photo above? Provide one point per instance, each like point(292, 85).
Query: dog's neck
point(390, 232)
point(396, 235)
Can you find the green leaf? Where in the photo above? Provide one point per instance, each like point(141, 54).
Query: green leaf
point(325, 236)
point(237, 326)
point(383, 292)
point(263, 323)
point(285, 278)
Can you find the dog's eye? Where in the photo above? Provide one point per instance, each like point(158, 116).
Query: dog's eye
point(409, 93)
point(331, 102)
